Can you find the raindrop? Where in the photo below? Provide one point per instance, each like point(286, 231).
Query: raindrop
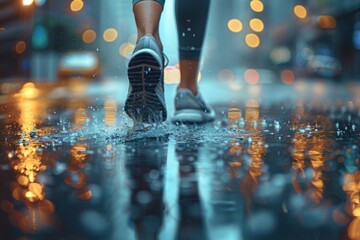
point(189, 29)
point(183, 34)
point(337, 125)
point(276, 125)
point(263, 123)
point(192, 48)
point(353, 127)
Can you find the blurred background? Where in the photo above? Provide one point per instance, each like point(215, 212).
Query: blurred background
point(247, 40)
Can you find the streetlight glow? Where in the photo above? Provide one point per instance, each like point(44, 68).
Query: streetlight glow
point(256, 25)
point(257, 6)
point(252, 40)
point(300, 11)
point(27, 2)
point(110, 35)
point(76, 5)
point(235, 25)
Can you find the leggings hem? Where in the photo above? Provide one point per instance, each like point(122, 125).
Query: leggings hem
point(161, 2)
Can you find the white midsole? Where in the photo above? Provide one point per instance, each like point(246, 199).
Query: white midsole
point(192, 115)
point(150, 51)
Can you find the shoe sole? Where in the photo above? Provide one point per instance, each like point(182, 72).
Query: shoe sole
point(143, 103)
point(191, 116)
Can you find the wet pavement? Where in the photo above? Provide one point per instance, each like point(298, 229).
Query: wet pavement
point(280, 162)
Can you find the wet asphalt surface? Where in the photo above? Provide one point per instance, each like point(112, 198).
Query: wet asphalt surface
point(279, 162)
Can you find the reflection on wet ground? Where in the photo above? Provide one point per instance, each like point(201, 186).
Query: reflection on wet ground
point(284, 169)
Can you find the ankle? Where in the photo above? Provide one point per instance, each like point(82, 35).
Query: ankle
point(193, 89)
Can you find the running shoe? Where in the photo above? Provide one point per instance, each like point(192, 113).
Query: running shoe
point(191, 109)
point(145, 102)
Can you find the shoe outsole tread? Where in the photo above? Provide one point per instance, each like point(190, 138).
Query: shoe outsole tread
point(143, 103)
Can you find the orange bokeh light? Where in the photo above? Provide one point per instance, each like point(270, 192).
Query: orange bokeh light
point(235, 25)
point(257, 6)
point(287, 76)
point(300, 11)
point(252, 40)
point(89, 36)
point(76, 5)
point(326, 22)
point(20, 47)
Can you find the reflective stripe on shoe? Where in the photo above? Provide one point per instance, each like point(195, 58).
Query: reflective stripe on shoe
point(192, 116)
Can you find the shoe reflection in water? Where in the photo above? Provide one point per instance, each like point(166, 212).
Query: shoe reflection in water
point(192, 224)
point(145, 164)
point(145, 167)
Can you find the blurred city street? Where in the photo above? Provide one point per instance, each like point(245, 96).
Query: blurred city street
point(281, 160)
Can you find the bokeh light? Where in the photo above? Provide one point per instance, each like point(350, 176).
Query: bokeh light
point(257, 6)
point(20, 47)
point(126, 49)
point(287, 76)
point(89, 36)
point(172, 75)
point(354, 229)
point(252, 40)
point(23, 180)
point(300, 11)
point(76, 5)
point(326, 22)
point(235, 25)
point(251, 76)
point(280, 55)
point(27, 2)
point(256, 25)
point(226, 75)
point(308, 53)
point(110, 35)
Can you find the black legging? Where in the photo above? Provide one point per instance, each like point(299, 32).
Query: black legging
point(191, 19)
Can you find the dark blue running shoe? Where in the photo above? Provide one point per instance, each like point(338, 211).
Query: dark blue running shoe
point(145, 102)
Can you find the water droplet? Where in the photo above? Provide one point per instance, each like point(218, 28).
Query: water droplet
point(189, 29)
